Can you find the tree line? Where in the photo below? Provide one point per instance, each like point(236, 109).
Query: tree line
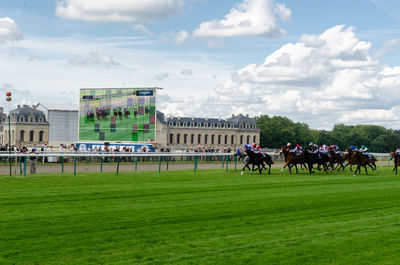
point(277, 131)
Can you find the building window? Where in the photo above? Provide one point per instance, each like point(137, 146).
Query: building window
point(226, 139)
point(171, 138)
point(30, 119)
point(254, 139)
point(185, 138)
point(41, 133)
point(192, 139)
point(199, 139)
point(248, 139)
point(219, 139)
point(178, 140)
point(232, 139)
point(206, 139)
point(22, 135)
point(212, 139)
point(241, 139)
point(31, 135)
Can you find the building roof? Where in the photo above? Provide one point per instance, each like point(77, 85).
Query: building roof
point(27, 111)
point(241, 119)
point(235, 121)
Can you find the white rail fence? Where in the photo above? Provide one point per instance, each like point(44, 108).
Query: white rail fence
point(158, 160)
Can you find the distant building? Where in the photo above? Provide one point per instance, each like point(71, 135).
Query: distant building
point(63, 123)
point(28, 126)
point(184, 132)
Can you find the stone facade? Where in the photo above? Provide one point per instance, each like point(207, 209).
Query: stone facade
point(183, 133)
point(28, 126)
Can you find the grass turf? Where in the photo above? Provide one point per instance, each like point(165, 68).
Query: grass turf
point(208, 217)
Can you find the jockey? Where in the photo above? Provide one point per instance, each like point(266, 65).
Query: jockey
point(364, 150)
point(398, 151)
point(337, 150)
point(299, 149)
point(354, 148)
point(323, 149)
point(313, 147)
point(259, 151)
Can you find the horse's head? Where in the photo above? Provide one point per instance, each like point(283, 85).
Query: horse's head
point(392, 155)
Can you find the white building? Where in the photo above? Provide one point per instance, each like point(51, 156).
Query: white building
point(63, 123)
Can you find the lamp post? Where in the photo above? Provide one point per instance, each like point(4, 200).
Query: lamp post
point(8, 98)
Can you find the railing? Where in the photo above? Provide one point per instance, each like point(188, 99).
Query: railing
point(126, 161)
point(118, 159)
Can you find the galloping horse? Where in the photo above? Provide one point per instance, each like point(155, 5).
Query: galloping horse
point(255, 159)
point(339, 159)
point(246, 160)
point(292, 160)
point(396, 157)
point(362, 161)
point(312, 158)
point(353, 159)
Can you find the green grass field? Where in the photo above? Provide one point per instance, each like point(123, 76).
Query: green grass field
point(208, 217)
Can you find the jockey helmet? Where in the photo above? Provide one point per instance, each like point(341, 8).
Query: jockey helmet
point(288, 144)
point(363, 146)
point(297, 145)
point(311, 143)
point(258, 146)
point(254, 145)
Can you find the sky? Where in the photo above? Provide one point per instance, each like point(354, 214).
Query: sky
point(315, 62)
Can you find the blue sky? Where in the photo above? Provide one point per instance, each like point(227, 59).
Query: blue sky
point(318, 62)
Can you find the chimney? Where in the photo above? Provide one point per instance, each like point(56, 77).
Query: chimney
point(19, 106)
point(34, 106)
point(247, 115)
point(233, 115)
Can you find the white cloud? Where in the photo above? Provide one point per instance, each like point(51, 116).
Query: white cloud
point(321, 80)
point(250, 18)
point(178, 38)
point(94, 58)
point(143, 29)
point(118, 10)
point(9, 30)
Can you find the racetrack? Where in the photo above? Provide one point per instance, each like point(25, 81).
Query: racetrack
point(208, 217)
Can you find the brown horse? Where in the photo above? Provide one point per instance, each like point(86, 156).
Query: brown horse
point(396, 157)
point(335, 158)
point(352, 157)
point(362, 161)
point(292, 160)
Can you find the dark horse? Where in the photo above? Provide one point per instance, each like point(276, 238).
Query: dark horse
point(255, 159)
point(314, 158)
point(396, 157)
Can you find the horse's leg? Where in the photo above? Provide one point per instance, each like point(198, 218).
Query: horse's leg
point(283, 168)
point(244, 167)
point(366, 171)
point(297, 171)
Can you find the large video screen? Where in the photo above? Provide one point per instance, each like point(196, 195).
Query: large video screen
point(117, 114)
